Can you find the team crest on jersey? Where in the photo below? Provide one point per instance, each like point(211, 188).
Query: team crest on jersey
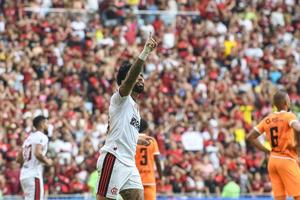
point(114, 191)
point(135, 122)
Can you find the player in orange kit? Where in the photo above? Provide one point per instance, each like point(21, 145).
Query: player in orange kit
point(282, 130)
point(146, 156)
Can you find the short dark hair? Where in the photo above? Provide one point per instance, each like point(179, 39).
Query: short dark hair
point(279, 98)
point(37, 121)
point(143, 125)
point(124, 69)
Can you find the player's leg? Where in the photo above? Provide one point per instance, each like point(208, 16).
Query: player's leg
point(132, 194)
point(280, 198)
point(98, 197)
point(290, 174)
point(28, 188)
point(133, 187)
point(32, 188)
point(112, 176)
point(278, 186)
point(105, 167)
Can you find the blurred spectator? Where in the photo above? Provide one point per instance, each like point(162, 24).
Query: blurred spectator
point(92, 5)
point(13, 172)
point(231, 190)
point(92, 182)
point(257, 184)
point(78, 27)
point(2, 24)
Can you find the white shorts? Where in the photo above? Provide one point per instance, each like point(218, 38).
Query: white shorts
point(114, 176)
point(33, 188)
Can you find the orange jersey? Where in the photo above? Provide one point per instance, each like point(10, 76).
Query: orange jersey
point(279, 133)
point(145, 161)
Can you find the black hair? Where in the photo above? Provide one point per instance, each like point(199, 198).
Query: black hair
point(124, 69)
point(37, 121)
point(143, 125)
point(279, 98)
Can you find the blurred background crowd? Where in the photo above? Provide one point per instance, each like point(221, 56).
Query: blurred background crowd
point(210, 80)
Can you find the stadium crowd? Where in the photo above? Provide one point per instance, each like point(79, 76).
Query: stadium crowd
point(211, 79)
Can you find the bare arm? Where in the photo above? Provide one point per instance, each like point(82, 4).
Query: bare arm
point(128, 84)
point(252, 138)
point(20, 158)
point(296, 126)
point(39, 155)
point(143, 141)
point(159, 166)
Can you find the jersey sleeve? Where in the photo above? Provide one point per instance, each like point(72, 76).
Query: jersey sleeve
point(260, 128)
point(155, 148)
point(117, 99)
point(291, 118)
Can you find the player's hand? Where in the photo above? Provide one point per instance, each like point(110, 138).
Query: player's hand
point(49, 162)
point(151, 44)
point(161, 180)
point(142, 141)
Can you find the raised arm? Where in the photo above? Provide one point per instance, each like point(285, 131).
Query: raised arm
point(143, 141)
point(129, 82)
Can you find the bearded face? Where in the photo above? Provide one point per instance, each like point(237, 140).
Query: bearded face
point(138, 87)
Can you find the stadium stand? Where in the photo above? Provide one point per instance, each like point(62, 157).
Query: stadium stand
point(209, 81)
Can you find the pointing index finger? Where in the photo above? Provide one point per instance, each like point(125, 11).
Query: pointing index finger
point(150, 35)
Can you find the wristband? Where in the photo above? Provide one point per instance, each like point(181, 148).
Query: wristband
point(145, 53)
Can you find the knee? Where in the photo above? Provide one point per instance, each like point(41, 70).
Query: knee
point(98, 197)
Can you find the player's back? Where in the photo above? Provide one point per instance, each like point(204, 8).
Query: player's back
point(32, 167)
point(145, 160)
point(279, 133)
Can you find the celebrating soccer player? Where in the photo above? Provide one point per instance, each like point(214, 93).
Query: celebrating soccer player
point(116, 164)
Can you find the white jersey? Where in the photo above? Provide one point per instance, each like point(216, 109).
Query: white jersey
point(32, 167)
point(123, 130)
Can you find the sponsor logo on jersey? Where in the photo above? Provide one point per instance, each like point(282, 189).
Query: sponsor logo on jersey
point(135, 123)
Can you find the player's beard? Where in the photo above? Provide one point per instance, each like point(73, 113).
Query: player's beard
point(46, 131)
point(138, 88)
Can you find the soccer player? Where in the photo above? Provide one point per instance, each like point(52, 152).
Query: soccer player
point(282, 129)
point(32, 158)
point(146, 156)
point(116, 163)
